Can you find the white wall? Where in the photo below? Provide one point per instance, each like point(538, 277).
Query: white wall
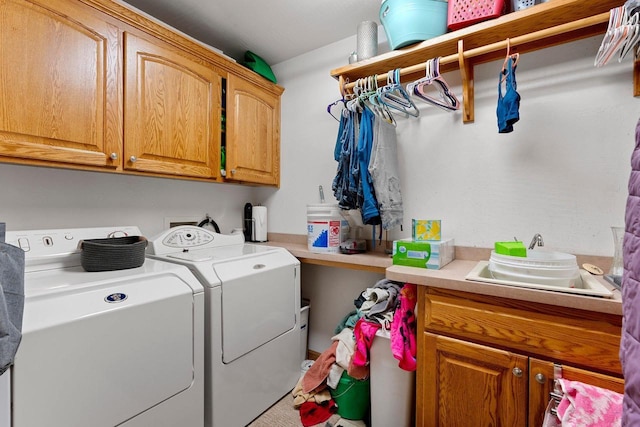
point(38, 198)
point(562, 172)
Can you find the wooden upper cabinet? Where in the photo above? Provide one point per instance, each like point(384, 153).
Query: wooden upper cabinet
point(172, 110)
point(253, 133)
point(59, 84)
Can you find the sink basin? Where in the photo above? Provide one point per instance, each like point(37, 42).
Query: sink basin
point(586, 284)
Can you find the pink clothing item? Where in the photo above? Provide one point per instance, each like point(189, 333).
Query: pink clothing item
point(403, 329)
point(318, 372)
point(358, 372)
point(364, 332)
point(584, 405)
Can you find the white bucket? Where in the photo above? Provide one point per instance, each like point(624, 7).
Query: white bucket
point(326, 228)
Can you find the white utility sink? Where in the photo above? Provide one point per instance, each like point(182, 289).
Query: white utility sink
point(585, 285)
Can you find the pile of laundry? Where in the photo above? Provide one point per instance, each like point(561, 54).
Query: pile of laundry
point(387, 305)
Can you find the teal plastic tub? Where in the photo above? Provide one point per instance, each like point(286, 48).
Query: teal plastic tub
point(407, 22)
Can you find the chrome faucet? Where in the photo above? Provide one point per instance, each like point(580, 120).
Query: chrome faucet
point(536, 241)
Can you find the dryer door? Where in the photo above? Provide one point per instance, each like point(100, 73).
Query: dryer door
point(258, 301)
point(101, 355)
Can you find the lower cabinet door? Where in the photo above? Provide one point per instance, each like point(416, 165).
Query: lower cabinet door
point(467, 385)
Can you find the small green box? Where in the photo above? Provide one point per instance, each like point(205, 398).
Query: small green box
point(431, 255)
point(511, 248)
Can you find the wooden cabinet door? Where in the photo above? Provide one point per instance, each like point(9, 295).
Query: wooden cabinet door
point(541, 377)
point(172, 110)
point(467, 385)
point(253, 133)
point(60, 85)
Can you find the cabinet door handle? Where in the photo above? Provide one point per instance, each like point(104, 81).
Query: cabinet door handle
point(114, 156)
point(233, 171)
point(133, 159)
point(541, 378)
point(517, 372)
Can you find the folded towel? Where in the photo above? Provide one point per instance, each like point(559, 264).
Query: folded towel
point(585, 405)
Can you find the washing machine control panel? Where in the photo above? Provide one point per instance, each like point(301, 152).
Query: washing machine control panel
point(64, 241)
point(186, 237)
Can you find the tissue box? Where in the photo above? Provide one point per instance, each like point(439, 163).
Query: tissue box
point(423, 230)
point(431, 255)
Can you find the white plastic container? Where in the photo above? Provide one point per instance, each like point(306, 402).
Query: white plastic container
point(326, 228)
point(387, 381)
point(304, 329)
point(545, 268)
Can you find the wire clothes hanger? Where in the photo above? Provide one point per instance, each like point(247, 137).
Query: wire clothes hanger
point(446, 100)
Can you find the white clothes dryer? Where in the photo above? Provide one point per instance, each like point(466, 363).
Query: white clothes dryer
point(252, 338)
point(110, 348)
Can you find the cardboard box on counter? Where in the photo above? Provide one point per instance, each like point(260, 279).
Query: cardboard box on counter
point(426, 230)
point(431, 255)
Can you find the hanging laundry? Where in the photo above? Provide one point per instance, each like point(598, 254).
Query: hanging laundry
point(366, 196)
point(344, 186)
point(384, 171)
point(508, 110)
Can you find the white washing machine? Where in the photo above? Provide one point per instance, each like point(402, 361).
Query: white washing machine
point(112, 348)
point(252, 338)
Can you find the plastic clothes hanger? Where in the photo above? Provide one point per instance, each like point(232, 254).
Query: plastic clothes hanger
point(633, 36)
point(340, 103)
point(613, 39)
point(515, 57)
point(379, 109)
point(447, 100)
point(393, 95)
point(354, 104)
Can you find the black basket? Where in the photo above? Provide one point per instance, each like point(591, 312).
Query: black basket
point(117, 253)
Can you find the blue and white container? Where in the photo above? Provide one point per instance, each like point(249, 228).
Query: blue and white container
point(411, 21)
point(326, 228)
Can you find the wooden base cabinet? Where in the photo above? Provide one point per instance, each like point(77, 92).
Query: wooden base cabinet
point(467, 385)
point(486, 361)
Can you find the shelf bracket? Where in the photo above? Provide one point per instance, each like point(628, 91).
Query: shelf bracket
point(466, 70)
